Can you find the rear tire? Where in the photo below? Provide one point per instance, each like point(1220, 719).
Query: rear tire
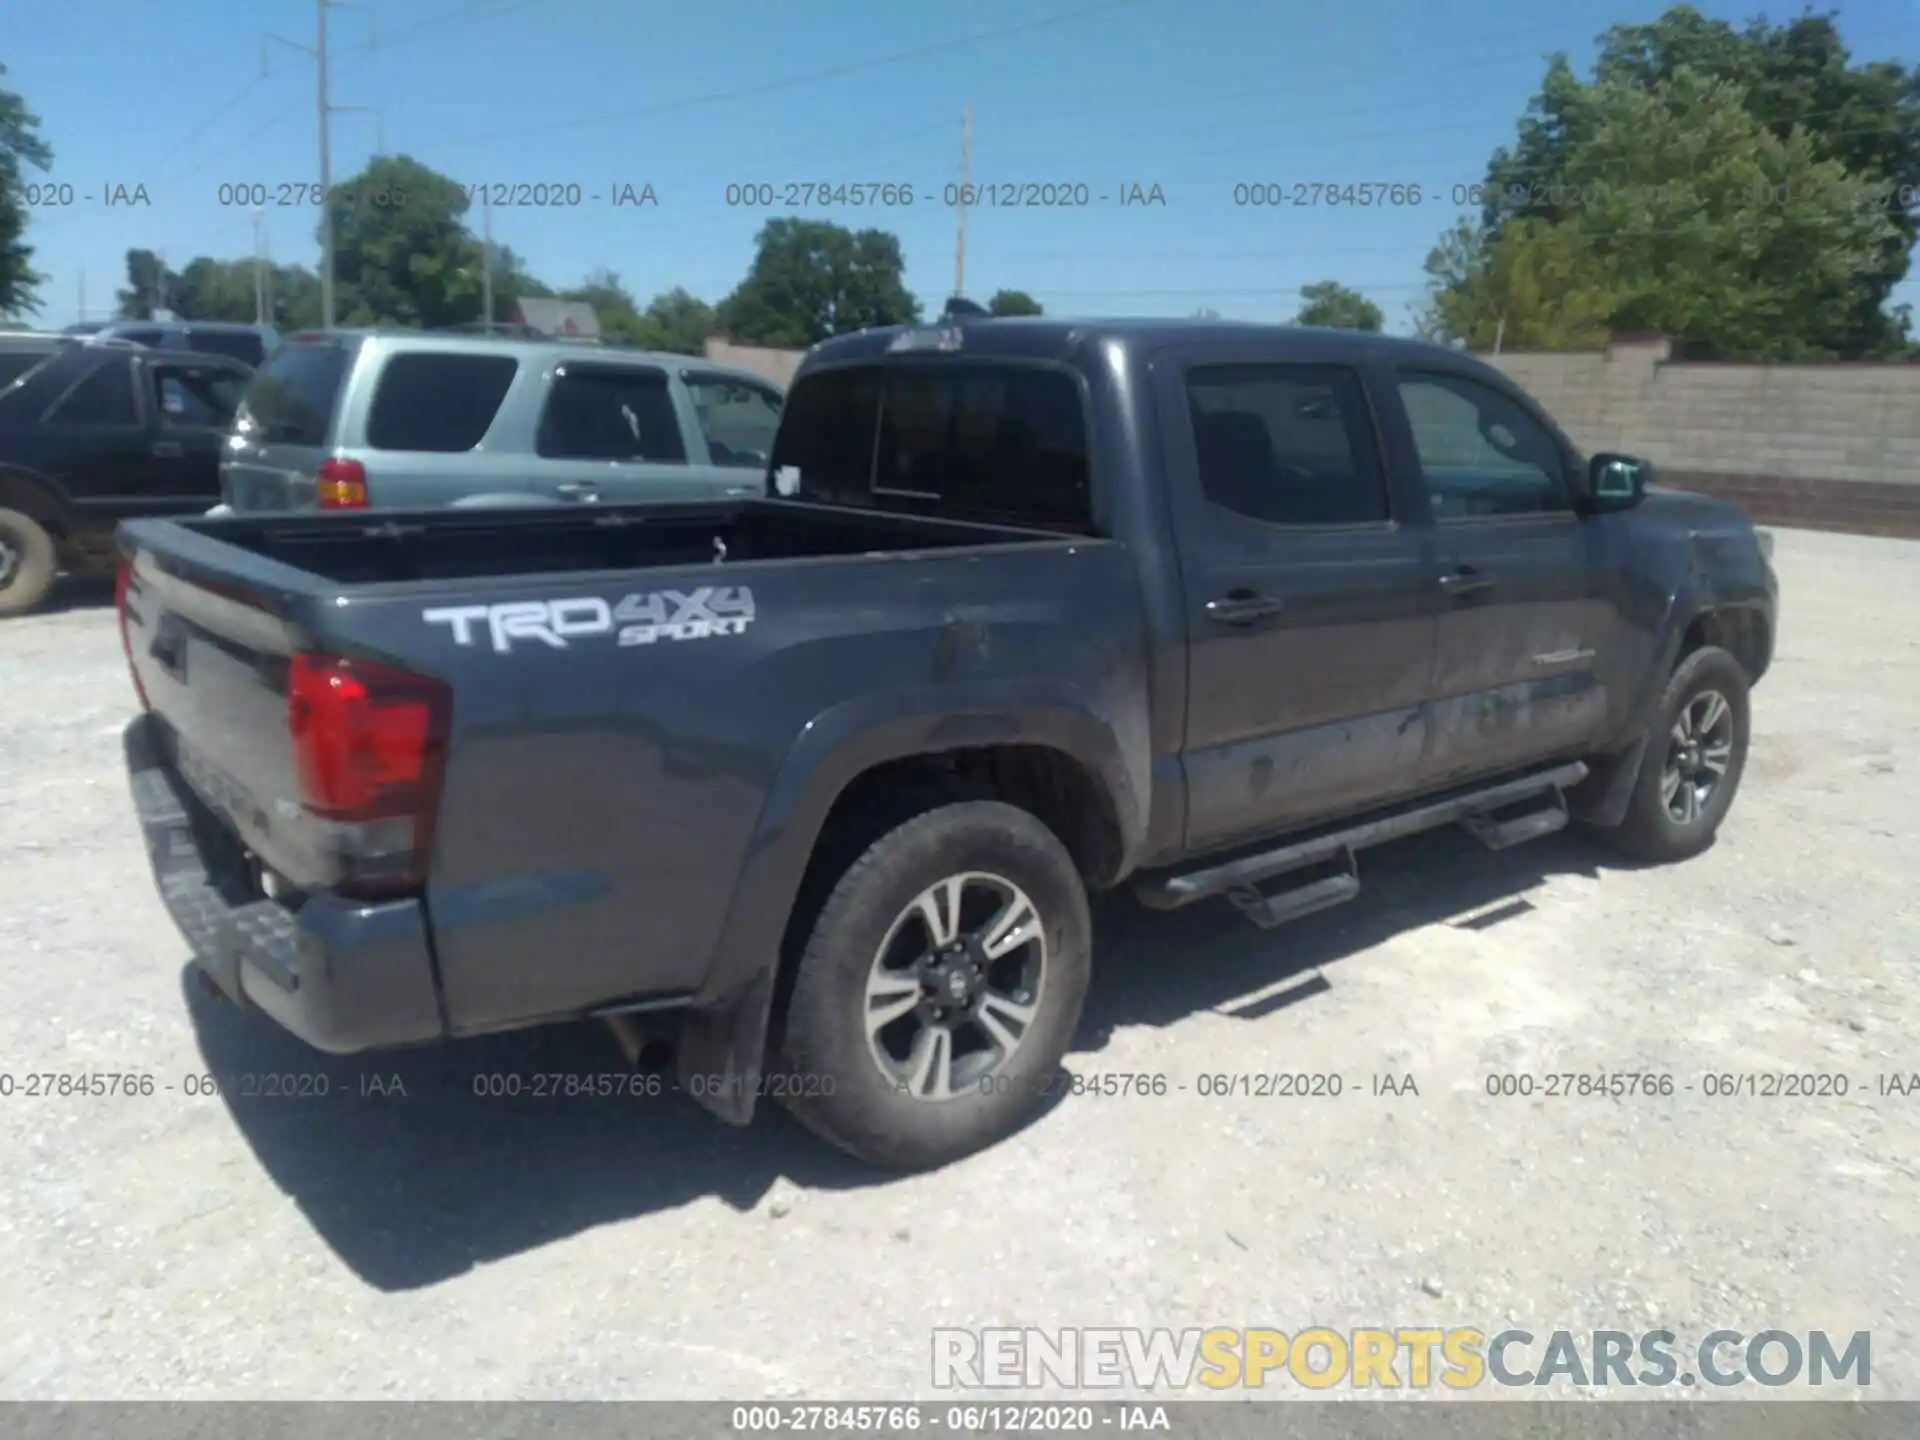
point(28, 563)
point(878, 985)
point(1695, 754)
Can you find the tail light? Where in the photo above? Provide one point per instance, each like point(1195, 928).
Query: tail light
point(369, 744)
point(342, 485)
point(122, 582)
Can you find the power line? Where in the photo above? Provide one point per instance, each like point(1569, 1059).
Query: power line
point(792, 82)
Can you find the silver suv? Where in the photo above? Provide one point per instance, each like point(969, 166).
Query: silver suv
point(342, 420)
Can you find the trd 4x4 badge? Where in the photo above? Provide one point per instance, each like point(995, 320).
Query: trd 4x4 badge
point(642, 619)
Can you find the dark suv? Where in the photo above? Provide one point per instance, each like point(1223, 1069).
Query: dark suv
point(249, 344)
point(97, 431)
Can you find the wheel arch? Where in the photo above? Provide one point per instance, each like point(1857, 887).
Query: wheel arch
point(854, 773)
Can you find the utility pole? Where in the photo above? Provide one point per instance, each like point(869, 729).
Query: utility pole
point(160, 296)
point(1499, 334)
point(318, 50)
point(326, 172)
point(966, 181)
point(486, 261)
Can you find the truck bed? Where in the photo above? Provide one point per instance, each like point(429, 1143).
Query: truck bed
point(473, 544)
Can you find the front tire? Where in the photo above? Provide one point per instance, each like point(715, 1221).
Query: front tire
point(1695, 754)
point(28, 563)
point(940, 986)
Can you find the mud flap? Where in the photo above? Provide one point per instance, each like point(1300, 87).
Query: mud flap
point(1602, 798)
point(721, 1050)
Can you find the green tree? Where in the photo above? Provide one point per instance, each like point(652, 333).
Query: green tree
point(1013, 302)
point(402, 252)
point(1535, 287)
point(20, 145)
point(811, 279)
point(1797, 85)
point(619, 315)
point(1332, 304)
point(149, 286)
point(681, 322)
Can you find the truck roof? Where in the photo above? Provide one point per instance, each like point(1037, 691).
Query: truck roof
point(1050, 337)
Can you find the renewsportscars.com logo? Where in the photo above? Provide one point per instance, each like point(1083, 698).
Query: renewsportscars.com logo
point(1370, 1358)
point(640, 619)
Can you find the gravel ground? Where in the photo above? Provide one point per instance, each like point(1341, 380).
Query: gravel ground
point(403, 1238)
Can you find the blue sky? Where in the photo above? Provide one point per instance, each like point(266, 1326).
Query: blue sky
point(1194, 96)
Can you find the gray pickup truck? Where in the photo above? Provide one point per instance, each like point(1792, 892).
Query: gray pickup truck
point(821, 779)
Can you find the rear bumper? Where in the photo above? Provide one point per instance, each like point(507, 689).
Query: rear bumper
point(343, 975)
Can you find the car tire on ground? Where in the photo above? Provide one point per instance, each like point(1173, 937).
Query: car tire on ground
point(1695, 754)
point(940, 986)
point(28, 563)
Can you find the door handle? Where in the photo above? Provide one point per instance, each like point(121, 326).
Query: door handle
point(743, 489)
point(579, 490)
point(169, 449)
point(1243, 607)
point(1465, 581)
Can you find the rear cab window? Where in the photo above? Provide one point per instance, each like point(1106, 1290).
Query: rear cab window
point(291, 400)
point(984, 441)
point(438, 401)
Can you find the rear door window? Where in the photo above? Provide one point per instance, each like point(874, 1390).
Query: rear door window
point(104, 397)
point(608, 412)
point(291, 399)
point(196, 396)
point(437, 401)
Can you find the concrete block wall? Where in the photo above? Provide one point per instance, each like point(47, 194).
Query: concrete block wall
point(1832, 446)
point(775, 365)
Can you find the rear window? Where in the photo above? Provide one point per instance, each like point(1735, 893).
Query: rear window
point(975, 442)
point(826, 434)
point(291, 399)
point(240, 345)
point(438, 402)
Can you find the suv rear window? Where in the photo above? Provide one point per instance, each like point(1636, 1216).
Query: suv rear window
point(435, 401)
point(291, 399)
point(977, 442)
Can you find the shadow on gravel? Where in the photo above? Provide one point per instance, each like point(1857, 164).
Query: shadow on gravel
point(1156, 968)
point(413, 1174)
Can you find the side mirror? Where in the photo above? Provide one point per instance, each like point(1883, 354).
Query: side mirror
point(1617, 482)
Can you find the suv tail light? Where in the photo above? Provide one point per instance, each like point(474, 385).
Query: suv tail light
point(342, 485)
point(369, 743)
point(122, 582)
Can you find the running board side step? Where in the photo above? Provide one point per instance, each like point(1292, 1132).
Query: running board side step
point(1476, 808)
point(1271, 910)
point(1498, 832)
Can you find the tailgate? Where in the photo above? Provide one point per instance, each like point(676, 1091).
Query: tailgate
point(212, 660)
